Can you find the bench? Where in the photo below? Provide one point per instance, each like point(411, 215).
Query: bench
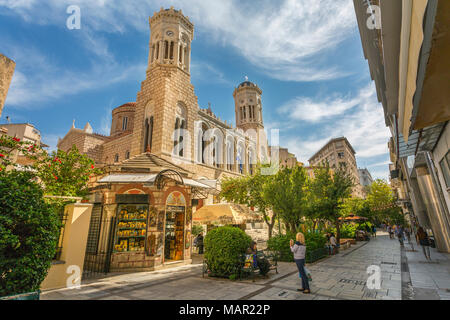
point(344, 244)
point(271, 257)
point(352, 241)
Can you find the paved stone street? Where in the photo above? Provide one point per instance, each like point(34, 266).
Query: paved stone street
point(342, 276)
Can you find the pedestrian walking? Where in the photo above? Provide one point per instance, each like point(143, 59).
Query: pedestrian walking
point(408, 237)
point(389, 230)
point(200, 243)
point(400, 235)
point(298, 248)
point(329, 246)
point(333, 243)
point(374, 231)
point(424, 241)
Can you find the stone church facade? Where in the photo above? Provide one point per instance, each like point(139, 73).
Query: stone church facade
point(167, 121)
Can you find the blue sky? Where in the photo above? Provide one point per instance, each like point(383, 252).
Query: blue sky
point(306, 56)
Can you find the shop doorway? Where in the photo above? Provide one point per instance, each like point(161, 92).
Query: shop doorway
point(175, 227)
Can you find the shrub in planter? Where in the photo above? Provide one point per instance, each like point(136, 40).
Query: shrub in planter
point(348, 231)
point(224, 247)
point(28, 234)
point(280, 243)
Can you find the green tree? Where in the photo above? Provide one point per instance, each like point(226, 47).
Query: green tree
point(382, 202)
point(66, 173)
point(358, 207)
point(330, 188)
point(287, 194)
point(28, 233)
point(10, 147)
point(249, 191)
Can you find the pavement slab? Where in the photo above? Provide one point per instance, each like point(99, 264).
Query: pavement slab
point(342, 276)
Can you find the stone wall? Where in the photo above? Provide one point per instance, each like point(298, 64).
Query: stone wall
point(7, 67)
point(119, 146)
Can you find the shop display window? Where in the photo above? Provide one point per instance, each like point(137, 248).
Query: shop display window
point(131, 228)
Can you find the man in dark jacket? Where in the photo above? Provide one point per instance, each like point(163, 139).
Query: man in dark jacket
point(200, 243)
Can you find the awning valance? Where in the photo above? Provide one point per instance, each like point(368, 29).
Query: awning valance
point(147, 179)
point(224, 214)
point(128, 178)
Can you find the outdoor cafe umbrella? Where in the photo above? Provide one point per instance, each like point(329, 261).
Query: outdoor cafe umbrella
point(353, 218)
point(224, 214)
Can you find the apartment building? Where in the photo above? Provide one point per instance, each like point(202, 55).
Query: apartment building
point(339, 152)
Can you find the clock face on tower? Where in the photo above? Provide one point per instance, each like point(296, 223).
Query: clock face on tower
point(169, 33)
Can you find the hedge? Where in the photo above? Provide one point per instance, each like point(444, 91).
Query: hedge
point(28, 234)
point(224, 247)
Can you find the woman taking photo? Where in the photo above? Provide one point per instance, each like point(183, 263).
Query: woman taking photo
point(299, 250)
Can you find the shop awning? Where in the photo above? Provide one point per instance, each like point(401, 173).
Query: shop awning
point(128, 178)
point(225, 214)
point(147, 179)
point(420, 140)
point(195, 183)
point(352, 218)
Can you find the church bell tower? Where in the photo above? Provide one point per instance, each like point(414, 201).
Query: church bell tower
point(170, 40)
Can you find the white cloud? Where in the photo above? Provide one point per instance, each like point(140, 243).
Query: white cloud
point(287, 40)
point(319, 109)
point(360, 119)
point(26, 91)
point(38, 79)
point(205, 72)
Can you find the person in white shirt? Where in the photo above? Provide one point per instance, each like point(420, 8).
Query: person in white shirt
point(299, 250)
point(333, 243)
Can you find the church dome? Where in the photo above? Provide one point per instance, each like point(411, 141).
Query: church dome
point(247, 84)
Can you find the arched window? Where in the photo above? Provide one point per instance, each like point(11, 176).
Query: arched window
point(180, 126)
point(180, 54)
point(157, 50)
point(171, 50)
point(240, 157)
point(148, 127)
point(176, 139)
point(230, 153)
point(215, 152)
point(116, 158)
point(251, 161)
point(180, 139)
point(127, 155)
point(124, 123)
point(204, 144)
point(166, 50)
point(153, 54)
